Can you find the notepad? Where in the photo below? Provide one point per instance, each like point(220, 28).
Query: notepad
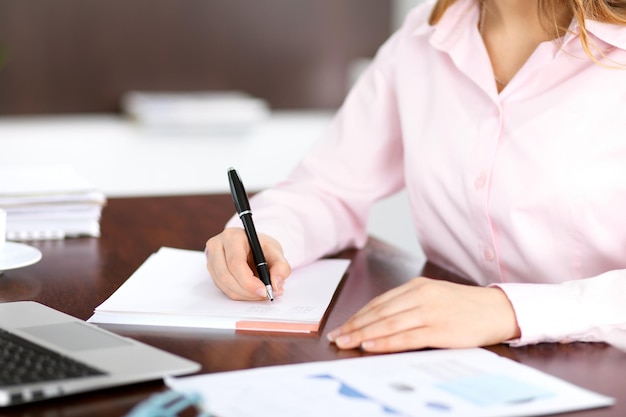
point(173, 288)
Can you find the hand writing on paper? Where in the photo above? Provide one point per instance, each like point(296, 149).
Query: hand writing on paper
point(230, 263)
point(429, 313)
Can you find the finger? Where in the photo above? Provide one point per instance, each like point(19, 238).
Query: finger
point(418, 338)
point(229, 269)
point(279, 272)
point(245, 283)
point(216, 260)
point(279, 269)
point(397, 324)
point(395, 292)
point(386, 305)
point(219, 271)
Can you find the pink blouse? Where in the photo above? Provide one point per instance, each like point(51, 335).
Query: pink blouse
point(523, 189)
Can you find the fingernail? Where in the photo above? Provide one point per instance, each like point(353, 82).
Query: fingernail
point(261, 292)
point(331, 336)
point(343, 340)
point(278, 283)
point(367, 345)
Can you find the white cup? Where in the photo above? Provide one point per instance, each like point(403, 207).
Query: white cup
point(3, 228)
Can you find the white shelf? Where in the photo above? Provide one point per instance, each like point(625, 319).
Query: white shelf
point(123, 159)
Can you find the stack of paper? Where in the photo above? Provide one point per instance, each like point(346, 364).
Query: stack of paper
point(229, 111)
point(173, 288)
point(49, 202)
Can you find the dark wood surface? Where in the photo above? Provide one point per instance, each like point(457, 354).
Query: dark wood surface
point(76, 56)
point(75, 275)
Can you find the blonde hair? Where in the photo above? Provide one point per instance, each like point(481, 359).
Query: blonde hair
point(605, 11)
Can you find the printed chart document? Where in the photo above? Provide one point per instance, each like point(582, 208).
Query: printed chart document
point(451, 383)
point(173, 288)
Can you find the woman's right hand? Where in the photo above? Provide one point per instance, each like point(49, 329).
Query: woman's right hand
point(230, 263)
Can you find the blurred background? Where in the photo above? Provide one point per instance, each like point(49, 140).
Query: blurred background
point(68, 56)
point(66, 59)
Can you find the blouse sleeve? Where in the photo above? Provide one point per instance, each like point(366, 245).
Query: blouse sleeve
point(591, 309)
point(323, 206)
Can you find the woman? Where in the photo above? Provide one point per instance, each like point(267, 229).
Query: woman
point(506, 122)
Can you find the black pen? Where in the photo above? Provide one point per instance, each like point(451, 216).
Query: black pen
point(245, 214)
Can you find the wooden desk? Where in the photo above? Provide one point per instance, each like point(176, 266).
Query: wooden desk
point(76, 275)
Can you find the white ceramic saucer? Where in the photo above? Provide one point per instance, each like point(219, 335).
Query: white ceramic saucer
point(17, 255)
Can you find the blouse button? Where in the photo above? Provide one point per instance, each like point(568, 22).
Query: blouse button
point(488, 254)
point(480, 181)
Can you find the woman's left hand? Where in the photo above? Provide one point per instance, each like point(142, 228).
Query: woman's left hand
point(430, 313)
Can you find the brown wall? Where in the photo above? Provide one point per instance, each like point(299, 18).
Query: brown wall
point(82, 55)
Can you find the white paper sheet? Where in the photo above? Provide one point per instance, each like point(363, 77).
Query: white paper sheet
point(461, 382)
point(173, 288)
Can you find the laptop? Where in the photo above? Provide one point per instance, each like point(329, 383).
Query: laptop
point(45, 353)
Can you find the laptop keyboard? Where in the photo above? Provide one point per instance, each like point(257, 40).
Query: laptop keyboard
point(23, 362)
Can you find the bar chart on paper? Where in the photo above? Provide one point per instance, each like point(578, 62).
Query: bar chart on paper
point(464, 383)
